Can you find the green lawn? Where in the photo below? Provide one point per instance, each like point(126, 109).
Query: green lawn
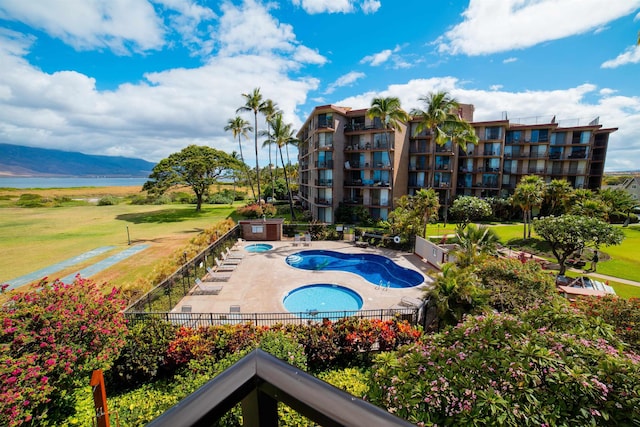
point(34, 238)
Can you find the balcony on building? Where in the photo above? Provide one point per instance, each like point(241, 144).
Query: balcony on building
point(419, 147)
point(324, 164)
point(323, 201)
point(326, 182)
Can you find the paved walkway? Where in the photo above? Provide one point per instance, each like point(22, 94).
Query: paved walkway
point(606, 278)
point(262, 280)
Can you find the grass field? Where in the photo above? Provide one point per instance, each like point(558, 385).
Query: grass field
point(34, 238)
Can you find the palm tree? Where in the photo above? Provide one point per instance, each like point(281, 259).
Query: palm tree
point(281, 135)
point(427, 203)
point(390, 113)
point(253, 102)
point(269, 109)
point(557, 194)
point(239, 127)
point(474, 244)
point(528, 194)
point(441, 117)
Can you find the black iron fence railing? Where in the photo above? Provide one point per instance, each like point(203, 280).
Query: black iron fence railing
point(166, 294)
point(195, 320)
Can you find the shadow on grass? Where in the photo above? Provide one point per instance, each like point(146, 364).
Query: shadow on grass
point(531, 245)
point(162, 216)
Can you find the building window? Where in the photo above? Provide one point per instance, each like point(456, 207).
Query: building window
point(493, 132)
point(257, 229)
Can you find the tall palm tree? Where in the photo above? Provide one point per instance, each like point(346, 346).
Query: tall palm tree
point(529, 193)
point(269, 109)
point(391, 114)
point(281, 135)
point(441, 117)
point(427, 203)
point(240, 127)
point(253, 102)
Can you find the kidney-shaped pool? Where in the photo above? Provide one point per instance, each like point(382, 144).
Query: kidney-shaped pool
point(377, 269)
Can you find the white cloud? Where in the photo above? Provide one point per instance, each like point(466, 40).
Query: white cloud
point(491, 26)
point(629, 56)
point(607, 91)
point(166, 111)
point(377, 58)
point(495, 87)
point(570, 106)
point(345, 80)
point(509, 60)
point(119, 25)
point(337, 6)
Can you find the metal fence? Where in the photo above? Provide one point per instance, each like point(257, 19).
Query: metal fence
point(411, 315)
point(166, 295)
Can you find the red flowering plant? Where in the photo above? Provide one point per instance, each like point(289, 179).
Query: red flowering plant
point(53, 336)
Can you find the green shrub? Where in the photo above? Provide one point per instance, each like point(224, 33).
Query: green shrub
point(29, 200)
point(163, 200)
point(548, 366)
point(54, 335)
point(284, 347)
point(352, 380)
point(181, 197)
point(220, 199)
point(108, 201)
point(143, 358)
point(622, 314)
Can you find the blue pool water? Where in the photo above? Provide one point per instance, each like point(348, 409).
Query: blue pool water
point(376, 269)
point(258, 247)
point(322, 297)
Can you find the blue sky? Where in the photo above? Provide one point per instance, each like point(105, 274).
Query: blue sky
point(145, 78)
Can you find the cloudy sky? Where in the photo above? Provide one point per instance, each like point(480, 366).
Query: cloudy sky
point(145, 78)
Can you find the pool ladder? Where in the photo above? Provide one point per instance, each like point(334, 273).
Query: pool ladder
point(382, 286)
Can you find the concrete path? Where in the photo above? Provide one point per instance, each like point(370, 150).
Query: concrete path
point(105, 263)
point(48, 271)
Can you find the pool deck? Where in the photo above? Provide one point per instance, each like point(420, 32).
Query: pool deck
point(261, 281)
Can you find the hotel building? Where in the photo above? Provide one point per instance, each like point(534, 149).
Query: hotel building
point(346, 158)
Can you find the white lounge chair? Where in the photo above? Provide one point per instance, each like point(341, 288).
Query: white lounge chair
point(214, 276)
point(207, 289)
point(221, 266)
point(226, 259)
point(234, 255)
point(307, 240)
point(296, 240)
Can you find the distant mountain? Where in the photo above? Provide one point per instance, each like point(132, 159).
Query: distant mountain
point(17, 160)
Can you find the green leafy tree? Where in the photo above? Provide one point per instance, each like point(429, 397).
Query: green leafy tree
point(515, 286)
point(282, 134)
point(556, 195)
point(567, 234)
point(455, 293)
point(254, 103)
point(474, 244)
point(442, 119)
point(391, 114)
point(240, 127)
point(196, 166)
point(413, 213)
point(595, 208)
point(618, 201)
point(53, 336)
point(528, 195)
point(549, 366)
point(469, 208)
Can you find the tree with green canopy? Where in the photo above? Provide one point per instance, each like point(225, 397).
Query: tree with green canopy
point(528, 195)
point(413, 213)
point(470, 208)
point(391, 114)
point(568, 234)
point(556, 196)
point(441, 117)
point(239, 127)
point(196, 166)
point(254, 103)
point(474, 244)
point(619, 202)
point(281, 135)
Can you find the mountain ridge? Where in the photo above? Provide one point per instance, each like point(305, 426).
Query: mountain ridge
point(23, 161)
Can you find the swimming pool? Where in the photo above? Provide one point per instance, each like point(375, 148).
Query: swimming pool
point(377, 269)
point(258, 247)
point(310, 300)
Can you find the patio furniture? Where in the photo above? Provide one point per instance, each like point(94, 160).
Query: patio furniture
point(214, 276)
point(226, 259)
point(307, 240)
point(222, 266)
point(203, 288)
point(234, 255)
point(296, 240)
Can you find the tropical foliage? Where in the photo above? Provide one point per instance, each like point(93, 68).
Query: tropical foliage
point(196, 166)
point(53, 336)
point(528, 195)
point(413, 213)
point(568, 234)
point(466, 209)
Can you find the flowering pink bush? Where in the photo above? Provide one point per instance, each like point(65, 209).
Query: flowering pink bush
point(547, 366)
point(53, 336)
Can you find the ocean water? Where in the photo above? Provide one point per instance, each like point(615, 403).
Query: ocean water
point(41, 182)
